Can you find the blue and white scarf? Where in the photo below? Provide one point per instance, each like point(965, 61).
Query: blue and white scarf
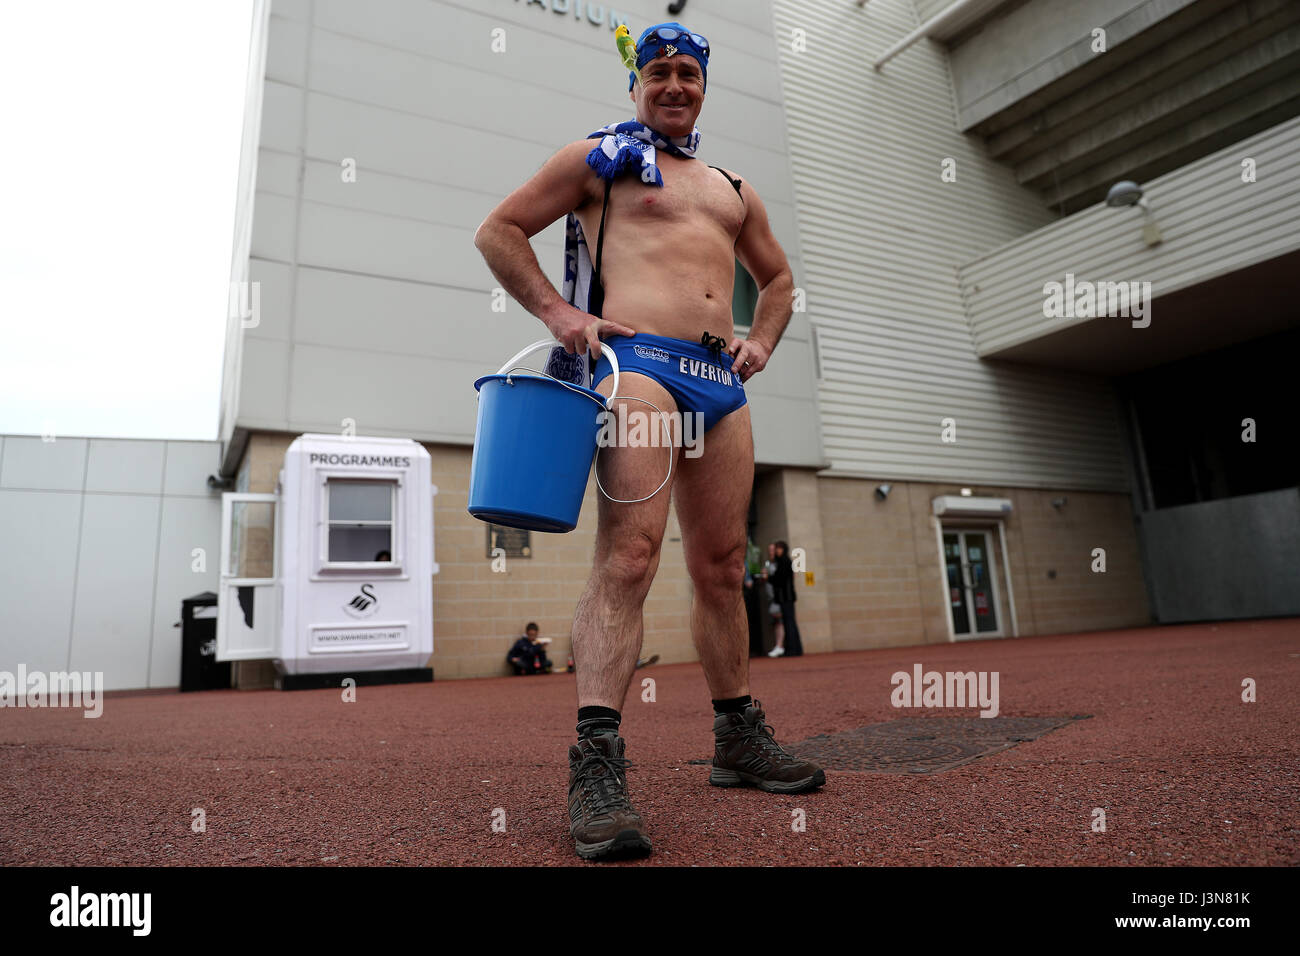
point(623, 146)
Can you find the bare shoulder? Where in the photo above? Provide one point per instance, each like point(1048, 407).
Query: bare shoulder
point(747, 192)
point(573, 156)
point(566, 170)
point(732, 174)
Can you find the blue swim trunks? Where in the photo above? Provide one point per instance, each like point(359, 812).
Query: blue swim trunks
point(698, 379)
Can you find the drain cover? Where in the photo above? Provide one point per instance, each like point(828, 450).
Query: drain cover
point(921, 744)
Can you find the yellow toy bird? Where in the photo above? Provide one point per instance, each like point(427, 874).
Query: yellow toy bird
point(626, 49)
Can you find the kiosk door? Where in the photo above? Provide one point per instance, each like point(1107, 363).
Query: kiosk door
point(248, 600)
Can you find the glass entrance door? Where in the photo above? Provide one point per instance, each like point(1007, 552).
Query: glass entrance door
point(972, 596)
point(248, 602)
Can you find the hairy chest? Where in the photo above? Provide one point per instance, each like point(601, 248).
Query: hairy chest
point(693, 198)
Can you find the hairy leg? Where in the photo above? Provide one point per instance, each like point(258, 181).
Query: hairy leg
point(712, 499)
point(608, 624)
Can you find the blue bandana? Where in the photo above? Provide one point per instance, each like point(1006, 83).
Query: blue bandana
point(650, 45)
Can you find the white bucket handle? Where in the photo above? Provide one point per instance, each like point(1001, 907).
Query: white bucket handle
point(544, 343)
point(613, 361)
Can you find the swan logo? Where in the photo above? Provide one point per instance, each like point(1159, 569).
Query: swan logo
point(364, 603)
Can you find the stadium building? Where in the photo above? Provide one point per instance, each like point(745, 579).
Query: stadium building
point(1033, 383)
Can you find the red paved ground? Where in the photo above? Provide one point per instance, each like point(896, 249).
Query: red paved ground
point(410, 775)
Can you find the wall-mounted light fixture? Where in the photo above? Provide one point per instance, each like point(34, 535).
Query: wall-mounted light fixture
point(965, 492)
point(1058, 503)
point(1128, 193)
point(882, 491)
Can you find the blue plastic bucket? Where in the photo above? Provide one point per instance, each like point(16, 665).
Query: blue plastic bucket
point(534, 444)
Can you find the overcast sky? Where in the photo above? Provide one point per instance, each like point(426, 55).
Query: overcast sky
point(119, 155)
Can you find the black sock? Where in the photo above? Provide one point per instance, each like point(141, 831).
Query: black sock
point(733, 705)
point(597, 720)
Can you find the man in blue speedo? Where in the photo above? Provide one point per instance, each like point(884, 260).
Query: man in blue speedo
point(652, 239)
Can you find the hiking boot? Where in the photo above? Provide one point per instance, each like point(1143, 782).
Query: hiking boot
point(746, 753)
point(601, 818)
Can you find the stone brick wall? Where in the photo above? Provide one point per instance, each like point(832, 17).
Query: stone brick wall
point(884, 574)
point(479, 612)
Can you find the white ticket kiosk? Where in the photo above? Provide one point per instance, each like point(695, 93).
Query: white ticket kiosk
point(332, 576)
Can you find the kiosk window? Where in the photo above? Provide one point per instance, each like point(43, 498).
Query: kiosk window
point(360, 520)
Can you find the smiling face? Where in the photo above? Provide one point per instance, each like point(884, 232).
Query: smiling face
point(670, 94)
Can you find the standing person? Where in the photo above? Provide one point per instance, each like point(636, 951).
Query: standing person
point(784, 594)
point(773, 608)
point(669, 231)
point(753, 617)
point(753, 597)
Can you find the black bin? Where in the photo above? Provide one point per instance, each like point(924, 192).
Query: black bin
point(199, 667)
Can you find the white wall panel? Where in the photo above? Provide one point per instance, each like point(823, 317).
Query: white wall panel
point(112, 620)
point(264, 394)
point(386, 394)
point(189, 463)
point(354, 241)
point(92, 571)
point(353, 311)
point(38, 562)
point(273, 227)
point(276, 299)
point(281, 117)
point(393, 194)
point(125, 466)
point(277, 172)
point(286, 49)
point(33, 463)
point(292, 9)
point(783, 429)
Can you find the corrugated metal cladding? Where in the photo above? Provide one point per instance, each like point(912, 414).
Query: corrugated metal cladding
point(1213, 223)
point(925, 9)
point(882, 236)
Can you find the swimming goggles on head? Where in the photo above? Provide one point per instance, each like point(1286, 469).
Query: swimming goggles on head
point(672, 33)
